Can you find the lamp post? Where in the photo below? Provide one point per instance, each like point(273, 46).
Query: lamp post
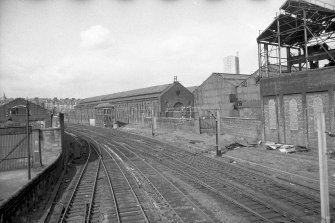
point(28, 139)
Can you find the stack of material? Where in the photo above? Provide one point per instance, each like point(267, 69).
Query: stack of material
point(284, 148)
point(287, 149)
point(272, 145)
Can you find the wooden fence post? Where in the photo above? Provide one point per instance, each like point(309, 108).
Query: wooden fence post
point(323, 168)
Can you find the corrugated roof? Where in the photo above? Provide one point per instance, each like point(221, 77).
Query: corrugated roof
point(142, 91)
point(132, 93)
point(91, 99)
point(233, 76)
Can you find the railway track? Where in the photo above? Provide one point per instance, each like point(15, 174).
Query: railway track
point(180, 208)
point(102, 192)
point(240, 177)
point(247, 204)
point(78, 207)
point(247, 179)
point(185, 209)
point(244, 204)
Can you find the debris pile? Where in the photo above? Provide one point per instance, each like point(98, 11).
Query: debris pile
point(284, 148)
point(234, 145)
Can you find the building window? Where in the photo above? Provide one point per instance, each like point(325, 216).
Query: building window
point(232, 98)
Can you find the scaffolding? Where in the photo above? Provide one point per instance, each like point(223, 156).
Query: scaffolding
point(301, 37)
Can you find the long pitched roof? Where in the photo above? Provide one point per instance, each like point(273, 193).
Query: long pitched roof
point(142, 91)
point(137, 92)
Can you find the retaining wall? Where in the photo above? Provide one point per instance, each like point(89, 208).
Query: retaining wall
point(172, 123)
point(246, 128)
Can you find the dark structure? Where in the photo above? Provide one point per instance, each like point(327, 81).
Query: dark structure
point(131, 106)
point(15, 113)
point(301, 37)
point(302, 88)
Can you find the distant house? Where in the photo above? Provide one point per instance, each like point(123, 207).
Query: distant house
point(16, 112)
point(218, 92)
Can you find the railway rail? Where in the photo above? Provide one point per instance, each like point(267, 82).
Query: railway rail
point(181, 209)
point(102, 193)
point(240, 177)
point(200, 170)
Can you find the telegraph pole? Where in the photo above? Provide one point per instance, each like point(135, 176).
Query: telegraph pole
point(28, 141)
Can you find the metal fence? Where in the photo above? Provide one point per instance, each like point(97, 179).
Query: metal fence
point(13, 147)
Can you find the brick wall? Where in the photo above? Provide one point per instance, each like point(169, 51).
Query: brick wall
point(172, 123)
point(246, 128)
point(271, 131)
point(323, 105)
point(295, 126)
point(176, 94)
point(297, 98)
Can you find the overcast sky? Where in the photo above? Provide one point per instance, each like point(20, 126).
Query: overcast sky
point(83, 48)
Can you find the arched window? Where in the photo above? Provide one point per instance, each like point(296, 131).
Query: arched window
point(317, 108)
point(272, 114)
point(293, 111)
point(178, 106)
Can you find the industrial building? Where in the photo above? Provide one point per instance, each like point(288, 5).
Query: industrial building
point(16, 112)
point(291, 98)
point(218, 92)
point(131, 106)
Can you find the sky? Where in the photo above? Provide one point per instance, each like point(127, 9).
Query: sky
point(84, 48)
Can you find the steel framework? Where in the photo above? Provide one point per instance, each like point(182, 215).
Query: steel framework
point(302, 36)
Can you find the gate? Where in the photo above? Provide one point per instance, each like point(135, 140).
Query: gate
point(13, 147)
point(207, 125)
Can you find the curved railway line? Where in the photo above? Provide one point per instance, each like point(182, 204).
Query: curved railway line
point(89, 200)
point(240, 187)
point(244, 178)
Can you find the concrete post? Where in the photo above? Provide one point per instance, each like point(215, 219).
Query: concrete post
point(197, 123)
point(218, 133)
point(152, 123)
point(323, 168)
